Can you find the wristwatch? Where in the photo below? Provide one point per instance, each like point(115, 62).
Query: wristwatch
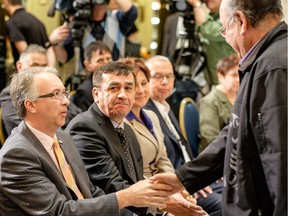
point(197, 4)
point(49, 44)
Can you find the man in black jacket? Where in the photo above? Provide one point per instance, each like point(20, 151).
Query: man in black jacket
point(252, 149)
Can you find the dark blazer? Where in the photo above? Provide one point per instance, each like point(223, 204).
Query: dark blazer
point(31, 184)
point(174, 150)
point(102, 152)
point(83, 96)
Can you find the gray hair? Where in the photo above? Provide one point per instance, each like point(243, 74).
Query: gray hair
point(156, 58)
point(32, 49)
point(22, 87)
point(256, 10)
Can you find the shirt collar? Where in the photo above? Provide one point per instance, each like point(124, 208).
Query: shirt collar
point(46, 140)
point(116, 125)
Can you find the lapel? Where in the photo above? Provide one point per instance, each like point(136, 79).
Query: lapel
point(70, 157)
point(27, 133)
point(143, 131)
point(112, 138)
point(150, 105)
point(57, 176)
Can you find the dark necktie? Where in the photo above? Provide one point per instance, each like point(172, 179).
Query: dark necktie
point(127, 152)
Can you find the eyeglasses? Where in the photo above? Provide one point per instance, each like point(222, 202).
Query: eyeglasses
point(58, 95)
point(223, 30)
point(160, 77)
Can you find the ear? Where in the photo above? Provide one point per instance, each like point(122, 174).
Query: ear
point(18, 66)
point(242, 21)
point(220, 77)
point(87, 65)
point(95, 94)
point(30, 106)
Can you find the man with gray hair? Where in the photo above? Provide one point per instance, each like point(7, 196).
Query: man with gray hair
point(40, 168)
point(33, 55)
point(252, 149)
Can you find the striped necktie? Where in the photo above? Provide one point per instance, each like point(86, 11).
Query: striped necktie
point(65, 169)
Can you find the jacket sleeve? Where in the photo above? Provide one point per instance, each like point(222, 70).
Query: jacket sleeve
point(207, 167)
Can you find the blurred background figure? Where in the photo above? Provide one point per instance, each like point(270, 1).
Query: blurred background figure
point(33, 55)
point(95, 55)
point(215, 108)
point(111, 27)
point(23, 29)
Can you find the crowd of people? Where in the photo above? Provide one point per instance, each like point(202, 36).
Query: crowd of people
point(114, 146)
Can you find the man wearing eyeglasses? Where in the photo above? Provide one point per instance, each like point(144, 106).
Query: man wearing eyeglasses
point(251, 151)
point(206, 14)
point(33, 55)
point(41, 170)
point(178, 150)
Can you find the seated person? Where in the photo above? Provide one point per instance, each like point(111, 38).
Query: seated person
point(108, 146)
point(95, 55)
point(151, 138)
point(41, 170)
point(215, 108)
point(33, 55)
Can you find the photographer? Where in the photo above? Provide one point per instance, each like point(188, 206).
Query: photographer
point(215, 45)
point(110, 27)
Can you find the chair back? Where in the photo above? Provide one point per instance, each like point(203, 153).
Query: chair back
point(2, 132)
point(189, 123)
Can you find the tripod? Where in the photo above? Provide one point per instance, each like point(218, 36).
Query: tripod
point(189, 57)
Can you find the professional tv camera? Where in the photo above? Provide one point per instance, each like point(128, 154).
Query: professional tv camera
point(76, 14)
point(188, 59)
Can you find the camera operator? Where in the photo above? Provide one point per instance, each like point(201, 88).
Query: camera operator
point(215, 45)
point(111, 27)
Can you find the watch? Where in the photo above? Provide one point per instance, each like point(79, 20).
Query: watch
point(49, 44)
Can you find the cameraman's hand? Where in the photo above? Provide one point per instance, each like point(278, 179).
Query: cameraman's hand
point(194, 3)
point(124, 5)
point(59, 34)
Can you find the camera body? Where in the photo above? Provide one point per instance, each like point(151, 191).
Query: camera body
point(180, 6)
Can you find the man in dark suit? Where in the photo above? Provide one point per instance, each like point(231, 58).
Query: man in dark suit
point(95, 55)
point(94, 131)
point(161, 85)
point(31, 174)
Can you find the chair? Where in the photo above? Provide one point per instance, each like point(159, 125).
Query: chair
point(189, 123)
point(2, 132)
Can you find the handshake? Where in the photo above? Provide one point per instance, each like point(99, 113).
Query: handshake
point(168, 195)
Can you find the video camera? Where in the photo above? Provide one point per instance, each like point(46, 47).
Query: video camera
point(77, 13)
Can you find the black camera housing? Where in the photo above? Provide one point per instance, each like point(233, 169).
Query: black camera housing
point(179, 6)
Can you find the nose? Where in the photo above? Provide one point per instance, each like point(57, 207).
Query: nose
point(122, 94)
point(65, 100)
point(164, 79)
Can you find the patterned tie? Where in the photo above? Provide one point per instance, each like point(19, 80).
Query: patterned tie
point(65, 169)
point(125, 145)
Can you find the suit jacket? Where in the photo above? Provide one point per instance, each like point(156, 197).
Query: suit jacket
point(102, 152)
point(31, 184)
point(173, 148)
point(155, 159)
point(83, 97)
point(9, 116)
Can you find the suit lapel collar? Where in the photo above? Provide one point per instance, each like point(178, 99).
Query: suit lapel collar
point(141, 129)
point(112, 136)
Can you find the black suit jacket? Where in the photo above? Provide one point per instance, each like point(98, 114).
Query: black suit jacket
point(174, 150)
point(102, 152)
point(83, 97)
point(31, 184)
